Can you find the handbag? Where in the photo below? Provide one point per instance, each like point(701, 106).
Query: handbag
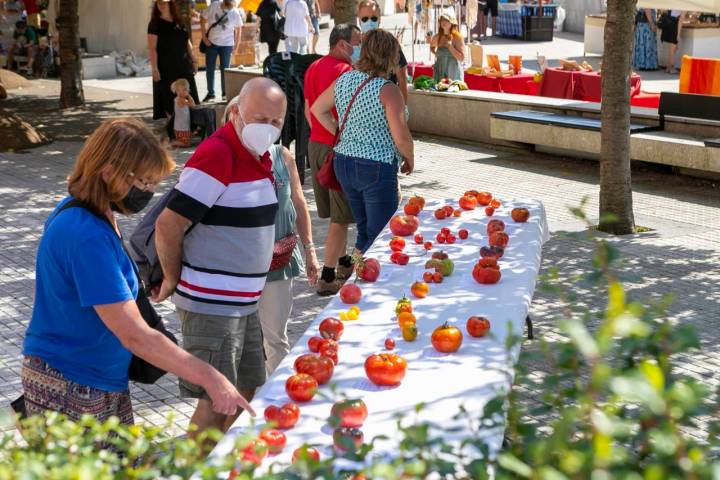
point(140, 370)
point(325, 176)
point(203, 48)
point(282, 251)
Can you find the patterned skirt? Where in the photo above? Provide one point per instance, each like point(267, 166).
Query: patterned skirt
point(645, 54)
point(47, 389)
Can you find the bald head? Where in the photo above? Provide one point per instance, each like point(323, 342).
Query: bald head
point(260, 100)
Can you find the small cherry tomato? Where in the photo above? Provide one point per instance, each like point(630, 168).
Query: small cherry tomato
point(418, 239)
point(440, 238)
point(427, 277)
point(489, 211)
point(389, 344)
point(307, 453)
point(437, 277)
point(445, 231)
point(427, 245)
point(463, 234)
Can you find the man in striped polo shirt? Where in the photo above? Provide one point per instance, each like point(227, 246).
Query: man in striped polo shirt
point(215, 241)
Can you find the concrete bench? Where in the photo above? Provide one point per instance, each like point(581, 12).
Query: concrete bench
point(573, 134)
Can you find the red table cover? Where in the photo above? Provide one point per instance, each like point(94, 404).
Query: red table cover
point(481, 82)
point(587, 86)
point(516, 83)
point(557, 83)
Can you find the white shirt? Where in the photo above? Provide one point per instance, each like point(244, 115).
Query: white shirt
point(182, 117)
point(223, 34)
point(295, 12)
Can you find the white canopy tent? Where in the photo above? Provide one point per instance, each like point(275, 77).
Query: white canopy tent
point(711, 6)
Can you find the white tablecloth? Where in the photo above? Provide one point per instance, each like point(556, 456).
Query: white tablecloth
point(469, 377)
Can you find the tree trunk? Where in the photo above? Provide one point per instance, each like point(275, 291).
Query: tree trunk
point(616, 211)
point(68, 23)
point(345, 11)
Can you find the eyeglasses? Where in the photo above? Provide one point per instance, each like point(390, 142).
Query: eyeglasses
point(142, 184)
point(365, 19)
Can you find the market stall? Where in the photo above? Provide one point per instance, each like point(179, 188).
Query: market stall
point(700, 35)
point(516, 84)
point(527, 22)
point(578, 85)
point(469, 377)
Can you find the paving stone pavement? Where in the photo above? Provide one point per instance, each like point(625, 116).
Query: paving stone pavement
point(681, 256)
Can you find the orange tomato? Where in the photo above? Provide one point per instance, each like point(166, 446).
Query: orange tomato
point(446, 338)
point(406, 318)
point(410, 333)
point(420, 289)
point(484, 198)
point(468, 202)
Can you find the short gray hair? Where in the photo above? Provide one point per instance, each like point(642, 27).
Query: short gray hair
point(342, 31)
point(228, 109)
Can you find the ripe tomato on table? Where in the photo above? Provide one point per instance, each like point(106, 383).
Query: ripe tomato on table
point(331, 328)
point(301, 387)
point(446, 338)
point(282, 417)
point(385, 368)
point(307, 453)
point(317, 366)
point(275, 440)
point(348, 413)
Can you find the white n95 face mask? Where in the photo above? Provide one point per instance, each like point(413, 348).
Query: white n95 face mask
point(259, 137)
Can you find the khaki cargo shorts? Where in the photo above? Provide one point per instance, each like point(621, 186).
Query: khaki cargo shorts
point(330, 203)
point(233, 345)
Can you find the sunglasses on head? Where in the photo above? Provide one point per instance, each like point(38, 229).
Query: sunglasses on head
point(365, 19)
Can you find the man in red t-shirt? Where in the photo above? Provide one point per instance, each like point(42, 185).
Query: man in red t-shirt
point(344, 48)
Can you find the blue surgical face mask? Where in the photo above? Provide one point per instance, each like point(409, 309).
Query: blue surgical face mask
point(369, 25)
point(355, 54)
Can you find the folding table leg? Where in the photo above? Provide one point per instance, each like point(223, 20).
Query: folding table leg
point(529, 324)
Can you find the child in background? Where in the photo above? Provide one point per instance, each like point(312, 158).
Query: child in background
point(183, 104)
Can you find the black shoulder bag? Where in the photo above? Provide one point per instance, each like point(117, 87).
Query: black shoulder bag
point(203, 48)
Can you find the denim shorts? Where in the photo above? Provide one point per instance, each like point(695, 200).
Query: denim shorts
point(316, 25)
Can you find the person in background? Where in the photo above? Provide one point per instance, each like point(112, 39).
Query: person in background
point(297, 25)
point(370, 15)
point(375, 141)
point(171, 57)
point(491, 8)
point(319, 77)
point(217, 271)
point(645, 55)
point(44, 63)
point(221, 25)
point(270, 33)
point(314, 7)
point(672, 28)
point(23, 45)
point(183, 104)
point(85, 324)
point(293, 217)
point(448, 46)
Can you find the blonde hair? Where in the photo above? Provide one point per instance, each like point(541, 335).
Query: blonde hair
point(380, 53)
point(117, 149)
point(180, 82)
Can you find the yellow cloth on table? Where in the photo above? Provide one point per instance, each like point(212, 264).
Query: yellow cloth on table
point(700, 75)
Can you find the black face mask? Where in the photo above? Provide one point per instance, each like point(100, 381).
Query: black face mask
point(134, 201)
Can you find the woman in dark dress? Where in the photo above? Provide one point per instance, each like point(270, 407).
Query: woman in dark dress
point(270, 33)
point(171, 56)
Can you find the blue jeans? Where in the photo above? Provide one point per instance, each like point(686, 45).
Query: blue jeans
point(371, 188)
point(210, 57)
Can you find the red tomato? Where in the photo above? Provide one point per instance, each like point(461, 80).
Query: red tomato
point(347, 439)
point(448, 210)
point(499, 239)
point(314, 344)
point(275, 440)
point(301, 387)
point(440, 238)
point(495, 203)
point(489, 211)
point(450, 239)
point(463, 234)
point(255, 451)
point(486, 275)
point(284, 417)
point(348, 413)
point(418, 239)
point(427, 277)
point(397, 244)
point(317, 366)
point(477, 326)
point(484, 198)
point(427, 245)
point(437, 277)
point(331, 328)
point(403, 259)
point(306, 453)
point(445, 231)
point(385, 368)
point(412, 209)
point(330, 351)
point(495, 225)
point(440, 214)
point(468, 202)
point(389, 344)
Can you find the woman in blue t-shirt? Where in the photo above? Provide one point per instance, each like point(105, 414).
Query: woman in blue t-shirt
point(85, 323)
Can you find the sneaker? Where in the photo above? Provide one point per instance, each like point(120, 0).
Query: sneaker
point(325, 289)
point(343, 273)
point(208, 97)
